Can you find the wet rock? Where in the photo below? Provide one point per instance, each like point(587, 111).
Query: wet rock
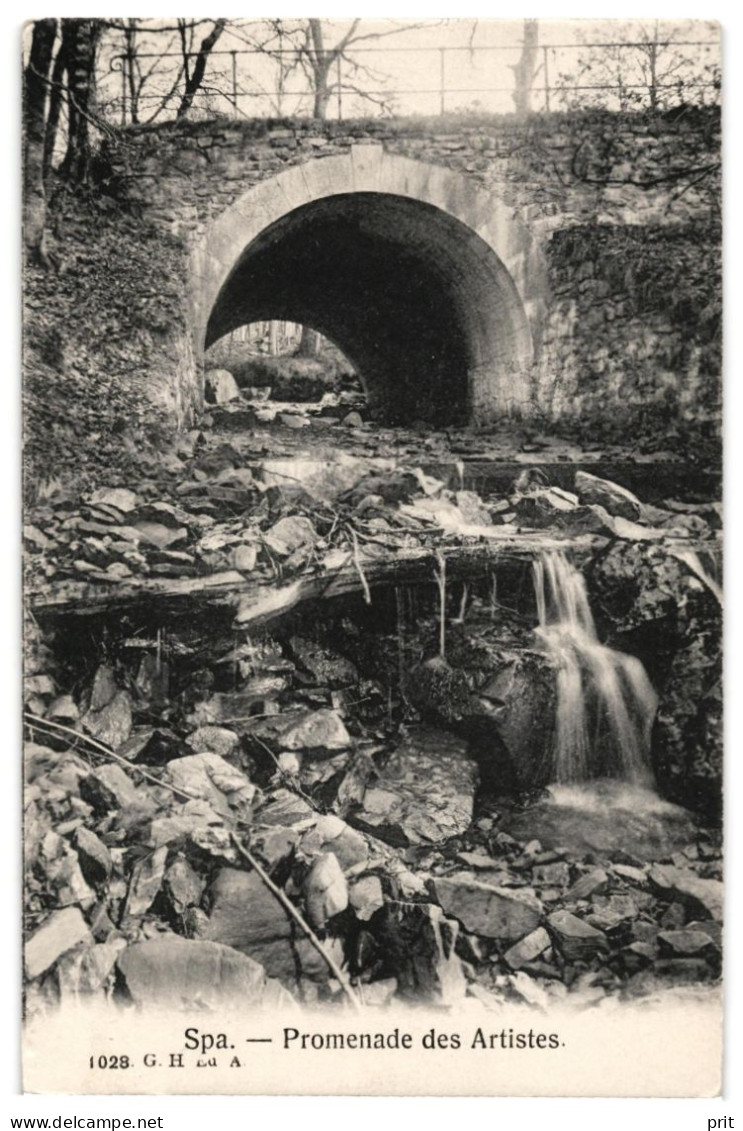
point(540, 508)
point(703, 897)
point(111, 724)
point(353, 420)
point(529, 948)
point(57, 935)
point(94, 857)
point(473, 510)
point(575, 939)
point(508, 914)
point(615, 499)
point(325, 890)
point(187, 975)
point(212, 779)
point(217, 740)
point(424, 794)
point(418, 947)
point(288, 534)
point(220, 386)
point(521, 697)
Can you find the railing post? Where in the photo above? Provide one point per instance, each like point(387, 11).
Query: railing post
point(339, 74)
point(123, 91)
point(442, 79)
point(546, 79)
point(234, 81)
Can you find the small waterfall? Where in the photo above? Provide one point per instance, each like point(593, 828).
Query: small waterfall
point(605, 701)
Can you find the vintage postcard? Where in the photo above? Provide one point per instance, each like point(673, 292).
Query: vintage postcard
point(373, 557)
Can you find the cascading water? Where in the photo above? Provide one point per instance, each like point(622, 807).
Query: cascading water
point(605, 701)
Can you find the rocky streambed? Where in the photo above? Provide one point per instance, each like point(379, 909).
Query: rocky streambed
point(291, 727)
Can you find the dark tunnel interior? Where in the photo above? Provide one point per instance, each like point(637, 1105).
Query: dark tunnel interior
point(416, 300)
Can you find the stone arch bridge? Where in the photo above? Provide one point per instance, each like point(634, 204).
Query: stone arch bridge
point(463, 274)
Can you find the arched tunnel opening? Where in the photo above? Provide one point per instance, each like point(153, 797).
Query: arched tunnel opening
point(419, 303)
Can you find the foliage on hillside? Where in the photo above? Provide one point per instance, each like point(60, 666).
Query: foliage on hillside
point(96, 321)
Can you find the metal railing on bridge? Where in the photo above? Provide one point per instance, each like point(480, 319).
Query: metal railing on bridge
point(446, 79)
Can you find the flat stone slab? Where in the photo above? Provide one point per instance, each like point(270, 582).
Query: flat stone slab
point(424, 794)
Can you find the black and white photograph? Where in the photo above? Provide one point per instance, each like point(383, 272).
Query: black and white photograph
point(372, 556)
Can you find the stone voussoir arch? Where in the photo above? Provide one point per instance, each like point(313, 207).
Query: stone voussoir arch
point(515, 287)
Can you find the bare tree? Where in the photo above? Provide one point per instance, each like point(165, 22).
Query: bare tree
point(195, 77)
point(526, 69)
point(80, 42)
point(35, 85)
point(646, 64)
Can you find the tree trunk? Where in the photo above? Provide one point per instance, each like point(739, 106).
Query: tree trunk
point(81, 44)
point(525, 69)
point(322, 93)
point(194, 81)
point(308, 343)
point(35, 80)
point(55, 107)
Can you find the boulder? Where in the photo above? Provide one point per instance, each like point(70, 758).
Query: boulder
point(520, 700)
point(508, 914)
point(703, 897)
point(145, 883)
point(118, 497)
point(218, 740)
point(95, 859)
point(366, 897)
point(575, 939)
point(327, 668)
point(418, 944)
point(527, 949)
point(245, 915)
point(59, 865)
point(220, 386)
point(325, 890)
point(687, 942)
point(288, 534)
point(208, 777)
point(590, 882)
point(108, 787)
point(615, 499)
point(182, 885)
point(112, 724)
point(425, 792)
point(318, 732)
point(88, 971)
point(57, 935)
point(189, 975)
